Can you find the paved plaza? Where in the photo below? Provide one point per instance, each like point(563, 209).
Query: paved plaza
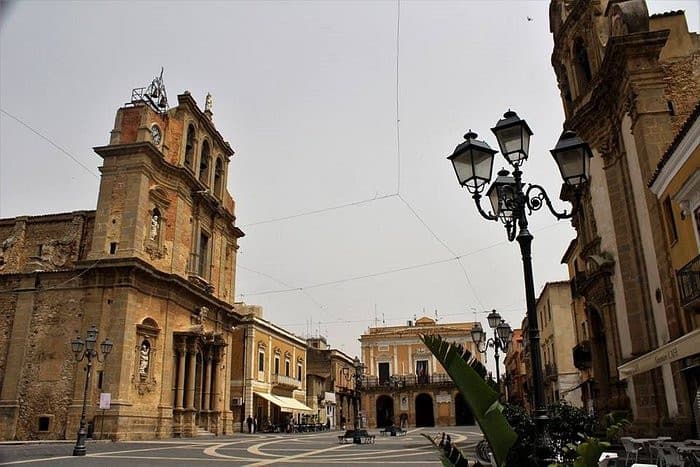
point(244, 449)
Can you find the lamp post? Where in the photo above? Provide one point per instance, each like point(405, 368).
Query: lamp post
point(512, 203)
point(354, 374)
point(502, 335)
point(86, 351)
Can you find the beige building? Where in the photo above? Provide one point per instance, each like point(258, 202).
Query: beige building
point(272, 363)
point(330, 385)
point(516, 377)
point(405, 383)
point(628, 83)
point(153, 267)
point(557, 338)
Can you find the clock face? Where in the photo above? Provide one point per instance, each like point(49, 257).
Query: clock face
point(156, 135)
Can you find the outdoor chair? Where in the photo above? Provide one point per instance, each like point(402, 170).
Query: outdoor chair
point(670, 456)
point(630, 448)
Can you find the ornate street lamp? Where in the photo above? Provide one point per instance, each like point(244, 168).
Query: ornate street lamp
point(355, 373)
point(502, 335)
point(86, 350)
point(512, 203)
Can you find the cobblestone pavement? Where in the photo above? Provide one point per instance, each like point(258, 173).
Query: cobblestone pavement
point(244, 449)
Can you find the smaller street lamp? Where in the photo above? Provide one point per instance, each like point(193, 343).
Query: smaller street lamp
point(85, 350)
point(502, 336)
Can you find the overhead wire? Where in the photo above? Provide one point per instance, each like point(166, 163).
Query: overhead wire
point(50, 141)
point(319, 211)
point(390, 271)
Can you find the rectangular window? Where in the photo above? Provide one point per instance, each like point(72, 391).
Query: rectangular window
point(671, 223)
point(261, 361)
point(277, 365)
point(286, 368)
point(100, 379)
point(299, 371)
point(383, 372)
point(203, 252)
point(113, 248)
point(44, 423)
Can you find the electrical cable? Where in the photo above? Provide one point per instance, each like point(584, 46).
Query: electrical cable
point(48, 140)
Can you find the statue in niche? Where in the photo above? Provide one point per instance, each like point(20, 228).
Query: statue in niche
point(155, 225)
point(144, 359)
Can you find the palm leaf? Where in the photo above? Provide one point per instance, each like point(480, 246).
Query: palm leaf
point(466, 372)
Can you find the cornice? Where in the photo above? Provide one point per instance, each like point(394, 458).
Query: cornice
point(137, 265)
point(199, 192)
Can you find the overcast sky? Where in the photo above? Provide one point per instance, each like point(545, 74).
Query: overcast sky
point(306, 93)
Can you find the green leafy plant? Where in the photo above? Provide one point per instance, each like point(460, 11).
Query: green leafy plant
point(468, 374)
point(589, 452)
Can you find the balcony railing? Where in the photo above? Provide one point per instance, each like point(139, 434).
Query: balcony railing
point(689, 284)
point(400, 382)
point(582, 355)
point(288, 381)
point(577, 283)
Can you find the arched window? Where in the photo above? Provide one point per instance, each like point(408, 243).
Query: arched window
point(204, 164)
point(218, 177)
point(583, 66)
point(189, 148)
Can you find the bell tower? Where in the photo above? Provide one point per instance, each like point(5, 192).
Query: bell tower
point(163, 197)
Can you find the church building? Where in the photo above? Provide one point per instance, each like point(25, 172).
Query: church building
point(152, 268)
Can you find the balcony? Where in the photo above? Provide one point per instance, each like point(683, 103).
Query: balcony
point(577, 283)
point(406, 381)
point(689, 284)
point(582, 355)
point(285, 381)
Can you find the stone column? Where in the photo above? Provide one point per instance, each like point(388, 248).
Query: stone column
point(180, 388)
point(191, 378)
point(207, 384)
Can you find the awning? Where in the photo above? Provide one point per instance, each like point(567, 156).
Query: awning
point(684, 346)
point(294, 404)
point(287, 404)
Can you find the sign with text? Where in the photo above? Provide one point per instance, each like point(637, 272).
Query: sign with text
point(105, 400)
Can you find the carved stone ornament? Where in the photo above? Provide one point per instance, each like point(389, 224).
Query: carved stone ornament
point(4, 247)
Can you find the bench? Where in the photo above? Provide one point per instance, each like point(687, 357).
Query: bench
point(393, 431)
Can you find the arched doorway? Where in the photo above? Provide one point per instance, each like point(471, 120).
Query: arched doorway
point(385, 411)
point(463, 416)
point(424, 410)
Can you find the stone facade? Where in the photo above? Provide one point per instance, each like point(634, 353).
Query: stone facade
point(152, 267)
point(404, 383)
point(628, 82)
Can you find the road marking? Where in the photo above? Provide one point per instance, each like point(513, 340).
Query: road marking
point(299, 456)
point(99, 454)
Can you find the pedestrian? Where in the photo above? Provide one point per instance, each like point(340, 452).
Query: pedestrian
point(255, 424)
point(249, 421)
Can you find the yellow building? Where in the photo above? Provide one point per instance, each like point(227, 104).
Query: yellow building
point(676, 183)
point(404, 383)
point(269, 377)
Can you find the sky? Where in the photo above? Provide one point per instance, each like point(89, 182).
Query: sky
point(341, 115)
